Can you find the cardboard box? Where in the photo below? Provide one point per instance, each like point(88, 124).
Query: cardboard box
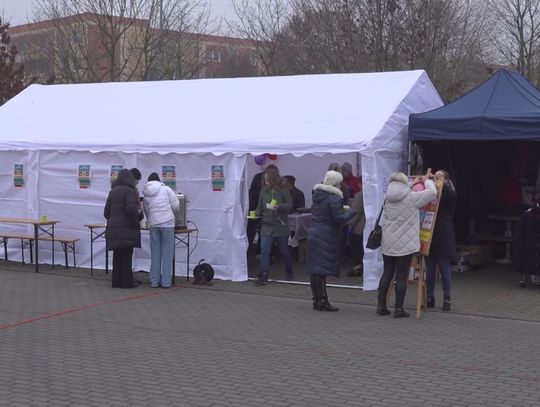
point(475, 254)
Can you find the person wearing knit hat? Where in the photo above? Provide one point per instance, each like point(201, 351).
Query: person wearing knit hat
point(324, 237)
point(352, 182)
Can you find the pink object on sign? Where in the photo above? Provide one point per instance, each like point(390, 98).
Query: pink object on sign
point(418, 187)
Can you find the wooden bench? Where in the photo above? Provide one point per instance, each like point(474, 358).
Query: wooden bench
point(27, 240)
point(67, 244)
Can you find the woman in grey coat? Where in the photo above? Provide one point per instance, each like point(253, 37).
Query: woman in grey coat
point(324, 237)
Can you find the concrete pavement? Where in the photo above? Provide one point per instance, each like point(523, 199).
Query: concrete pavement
point(70, 340)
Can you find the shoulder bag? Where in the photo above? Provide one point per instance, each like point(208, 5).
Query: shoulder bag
point(375, 236)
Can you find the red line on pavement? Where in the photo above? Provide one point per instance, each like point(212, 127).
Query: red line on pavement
point(82, 308)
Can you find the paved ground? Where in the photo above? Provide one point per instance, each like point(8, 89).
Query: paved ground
point(69, 340)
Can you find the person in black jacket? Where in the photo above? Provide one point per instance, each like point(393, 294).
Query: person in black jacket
point(526, 247)
point(122, 233)
point(324, 237)
point(298, 198)
point(443, 243)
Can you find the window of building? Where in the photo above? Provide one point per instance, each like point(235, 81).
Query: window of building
point(214, 55)
point(253, 59)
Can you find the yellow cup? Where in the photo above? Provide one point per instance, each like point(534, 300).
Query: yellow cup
point(252, 214)
point(43, 218)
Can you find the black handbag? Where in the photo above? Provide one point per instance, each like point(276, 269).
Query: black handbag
point(375, 236)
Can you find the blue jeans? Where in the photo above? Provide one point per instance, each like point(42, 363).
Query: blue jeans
point(161, 253)
point(266, 246)
point(444, 269)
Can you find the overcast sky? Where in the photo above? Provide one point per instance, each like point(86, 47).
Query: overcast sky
point(20, 11)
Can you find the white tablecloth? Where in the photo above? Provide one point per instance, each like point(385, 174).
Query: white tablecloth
point(299, 224)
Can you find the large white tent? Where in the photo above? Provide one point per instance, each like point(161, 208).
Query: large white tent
point(194, 125)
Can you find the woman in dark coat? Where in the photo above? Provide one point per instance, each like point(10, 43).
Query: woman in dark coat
point(324, 237)
point(526, 247)
point(123, 229)
point(443, 243)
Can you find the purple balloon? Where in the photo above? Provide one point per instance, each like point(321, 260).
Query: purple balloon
point(260, 159)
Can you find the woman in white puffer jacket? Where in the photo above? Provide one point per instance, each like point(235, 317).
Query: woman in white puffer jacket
point(160, 205)
point(401, 236)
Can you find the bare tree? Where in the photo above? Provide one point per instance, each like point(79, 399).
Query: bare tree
point(113, 40)
point(518, 44)
point(444, 37)
point(262, 22)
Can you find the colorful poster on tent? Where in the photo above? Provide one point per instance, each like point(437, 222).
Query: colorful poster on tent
point(18, 176)
point(84, 176)
point(168, 176)
point(115, 169)
point(218, 178)
point(428, 217)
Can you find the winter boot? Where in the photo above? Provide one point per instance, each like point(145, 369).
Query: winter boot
point(262, 279)
point(324, 305)
point(314, 283)
point(382, 310)
point(430, 302)
point(447, 304)
point(381, 303)
point(400, 313)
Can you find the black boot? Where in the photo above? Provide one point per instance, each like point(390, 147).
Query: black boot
point(381, 303)
point(262, 279)
point(382, 310)
point(430, 302)
point(400, 313)
point(324, 305)
point(315, 290)
point(447, 304)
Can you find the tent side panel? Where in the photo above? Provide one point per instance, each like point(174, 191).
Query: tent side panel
point(376, 170)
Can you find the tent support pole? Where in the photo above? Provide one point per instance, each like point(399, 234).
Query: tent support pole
point(409, 158)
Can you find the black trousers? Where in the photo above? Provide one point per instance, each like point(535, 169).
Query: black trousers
point(122, 276)
point(357, 248)
point(398, 265)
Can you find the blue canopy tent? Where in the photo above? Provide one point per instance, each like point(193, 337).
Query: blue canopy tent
point(488, 141)
point(504, 107)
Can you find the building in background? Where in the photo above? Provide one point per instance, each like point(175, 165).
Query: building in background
point(99, 48)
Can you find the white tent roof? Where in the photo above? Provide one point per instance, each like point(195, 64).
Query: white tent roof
point(333, 113)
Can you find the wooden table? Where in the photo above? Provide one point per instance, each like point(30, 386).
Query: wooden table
point(40, 228)
point(507, 238)
point(181, 239)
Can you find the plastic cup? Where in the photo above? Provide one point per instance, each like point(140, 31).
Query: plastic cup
point(346, 208)
point(273, 202)
point(252, 214)
point(43, 218)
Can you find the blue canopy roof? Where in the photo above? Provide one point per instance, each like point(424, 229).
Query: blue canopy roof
point(504, 107)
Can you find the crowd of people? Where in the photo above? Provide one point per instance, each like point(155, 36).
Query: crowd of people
point(337, 227)
point(338, 223)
